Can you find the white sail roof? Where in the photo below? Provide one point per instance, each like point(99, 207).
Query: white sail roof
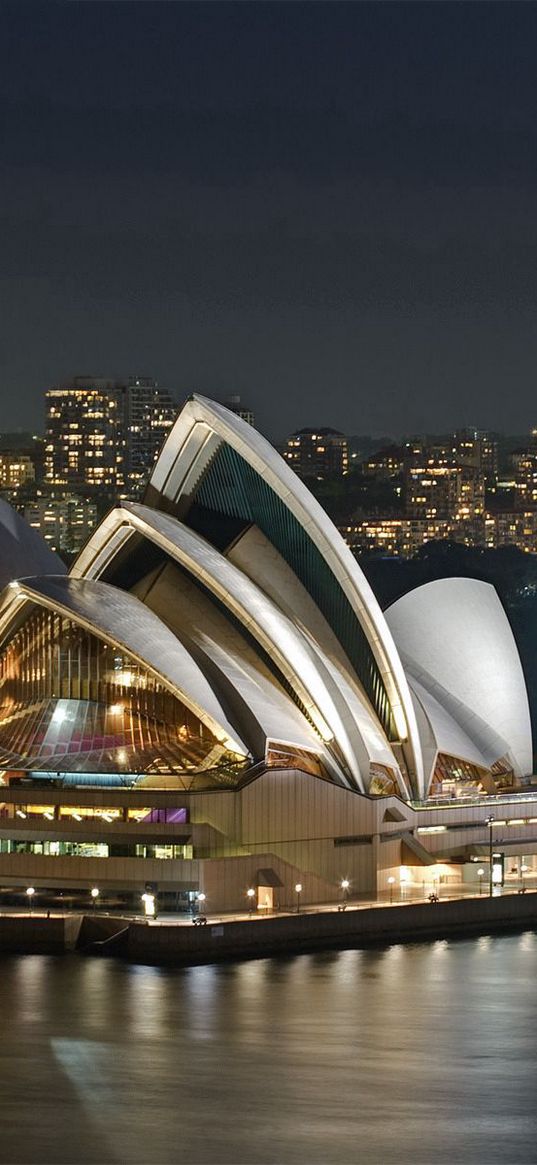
point(121, 619)
point(456, 641)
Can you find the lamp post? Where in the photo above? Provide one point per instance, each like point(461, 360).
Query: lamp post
point(298, 891)
point(345, 890)
point(30, 893)
point(250, 894)
point(391, 884)
point(480, 873)
point(202, 898)
point(94, 895)
point(523, 870)
point(490, 823)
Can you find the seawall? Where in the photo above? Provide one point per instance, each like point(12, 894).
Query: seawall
point(38, 935)
point(181, 945)
point(313, 932)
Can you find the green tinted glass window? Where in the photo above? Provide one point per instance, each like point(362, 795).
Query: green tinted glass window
point(231, 489)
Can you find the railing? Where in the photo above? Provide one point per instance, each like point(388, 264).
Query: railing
point(465, 801)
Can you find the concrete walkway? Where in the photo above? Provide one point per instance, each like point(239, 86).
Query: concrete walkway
point(412, 895)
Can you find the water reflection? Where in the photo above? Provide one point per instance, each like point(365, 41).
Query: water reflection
point(412, 1053)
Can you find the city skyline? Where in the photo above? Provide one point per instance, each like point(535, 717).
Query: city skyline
point(103, 437)
point(291, 202)
point(242, 404)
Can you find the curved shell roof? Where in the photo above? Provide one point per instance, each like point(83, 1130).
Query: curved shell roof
point(120, 618)
point(200, 428)
point(22, 549)
point(456, 641)
point(234, 588)
point(326, 695)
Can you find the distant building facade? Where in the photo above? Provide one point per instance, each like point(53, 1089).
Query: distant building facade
point(442, 484)
point(150, 412)
point(85, 436)
point(16, 470)
point(317, 453)
point(448, 493)
point(524, 464)
point(65, 522)
point(105, 435)
point(394, 537)
point(512, 528)
point(479, 448)
point(388, 462)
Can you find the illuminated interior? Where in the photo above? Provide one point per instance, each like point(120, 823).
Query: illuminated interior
point(70, 702)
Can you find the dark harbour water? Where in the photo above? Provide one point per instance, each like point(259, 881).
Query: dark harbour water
point(420, 1054)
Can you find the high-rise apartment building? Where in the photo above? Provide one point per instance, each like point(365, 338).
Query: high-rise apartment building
point(444, 483)
point(85, 436)
point(317, 453)
point(105, 435)
point(477, 448)
point(448, 493)
point(444, 491)
point(150, 412)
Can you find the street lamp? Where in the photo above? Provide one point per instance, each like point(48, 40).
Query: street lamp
point(30, 893)
point(490, 823)
point(298, 891)
point(345, 888)
point(202, 898)
point(480, 873)
point(149, 904)
point(94, 895)
point(391, 884)
point(250, 894)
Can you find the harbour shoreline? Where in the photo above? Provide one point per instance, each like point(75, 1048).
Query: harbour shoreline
point(308, 932)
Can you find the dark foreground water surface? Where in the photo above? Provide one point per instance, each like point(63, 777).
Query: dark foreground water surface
point(419, 1054)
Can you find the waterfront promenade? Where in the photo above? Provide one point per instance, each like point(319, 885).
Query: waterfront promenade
point(240, 936)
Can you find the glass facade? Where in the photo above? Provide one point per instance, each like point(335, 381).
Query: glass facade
point(382, 781)
point(94, 849)
point(94, 813)
point(72, 703)
point(229, 497)
point(452, 773)
point(290, 757)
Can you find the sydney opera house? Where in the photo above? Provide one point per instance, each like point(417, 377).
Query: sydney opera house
point(213, 701)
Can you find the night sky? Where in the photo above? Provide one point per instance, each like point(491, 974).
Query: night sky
point(328, 208)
